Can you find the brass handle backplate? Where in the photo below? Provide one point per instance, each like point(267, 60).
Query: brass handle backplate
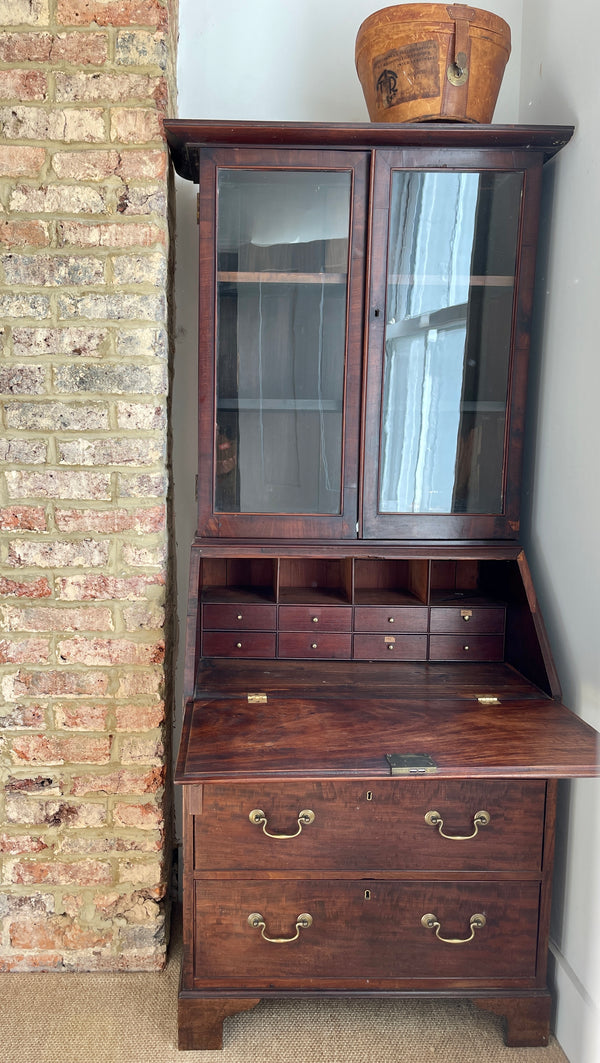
point(480, 819)
point(256, 921)
point(305, 817)
point(476, 922)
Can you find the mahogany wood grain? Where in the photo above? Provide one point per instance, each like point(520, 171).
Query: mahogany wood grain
point(316, 619)
point(212, 522)
point(200, 1020)
point(390, 646)
point(363, 933)
point(376, 825)
point(185, 136)
point(466, 647)
point(311, 738)
point(527, 1018)
point(465, 619)
point(311, 645)
point(390, 619)
point(406, 680)
point(239, 617)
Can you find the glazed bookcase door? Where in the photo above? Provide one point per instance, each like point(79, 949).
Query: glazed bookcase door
point(451, 286)
point(282, 239)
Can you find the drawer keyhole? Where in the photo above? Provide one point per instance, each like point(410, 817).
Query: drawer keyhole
point(369, 795)
point(367, 895)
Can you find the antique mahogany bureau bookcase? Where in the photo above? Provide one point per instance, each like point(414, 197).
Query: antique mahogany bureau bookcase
point(373, 730)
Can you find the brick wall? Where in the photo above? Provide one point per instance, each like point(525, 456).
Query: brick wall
point(84, 843)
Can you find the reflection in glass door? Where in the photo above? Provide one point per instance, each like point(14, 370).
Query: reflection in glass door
point(282, 279)
point(450, 282)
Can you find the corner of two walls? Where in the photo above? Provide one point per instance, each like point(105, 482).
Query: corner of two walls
point(85, 608)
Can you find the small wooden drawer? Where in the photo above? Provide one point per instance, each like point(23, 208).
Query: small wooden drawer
point(239, 617)
point(390, 647)
point(356, 933)
point(377, 824)
point(315, 644)
point(381, 618)
point(450, 619)
point(466, 647)
point(315, 618)
point(232, 644)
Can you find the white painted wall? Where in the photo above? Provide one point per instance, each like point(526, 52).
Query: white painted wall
point(293, 60)
point(562, 515)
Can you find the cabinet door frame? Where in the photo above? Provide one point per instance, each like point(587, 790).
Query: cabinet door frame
point(505, 524)
point(285, 525)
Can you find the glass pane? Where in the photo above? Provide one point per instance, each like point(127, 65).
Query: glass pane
point(282, 273)
point(451, 267)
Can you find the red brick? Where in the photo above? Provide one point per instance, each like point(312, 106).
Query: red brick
point(25, 47)
point(85, 165)
point(111, 13)
point(18, 161)
point(27, 233)
point(134, 125)
point(36, 749)
point(120, 782)
point(38, 588)
point(80, 48)
point(81, 717)
point(15, 844)
point(78, 749)
point(142, 164)
point(110, 651)
point(117, 520)
point(24, 651)
point(137, 683)
point(22, 518)
point(139, 717)
point(55, 933)
point(45, 618)
point(18, 716)
point(92, 587)
point(19, 963)
point(23, 85)
point(144, 817)
point(109, 234)
point(81, 872)
point(59, 683)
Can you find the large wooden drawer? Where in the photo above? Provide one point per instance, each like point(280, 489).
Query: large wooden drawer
point(363, 931)
point(378, 825)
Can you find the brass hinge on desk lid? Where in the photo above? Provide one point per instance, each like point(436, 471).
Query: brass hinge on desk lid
point(411, 764)
point(488, 699)
point(257, 699)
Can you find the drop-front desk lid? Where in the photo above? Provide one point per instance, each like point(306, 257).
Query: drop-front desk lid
point(449, 721)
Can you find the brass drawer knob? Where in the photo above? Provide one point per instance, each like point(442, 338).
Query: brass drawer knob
point(258, 817)
point(256, 921)
point(314, 645)
point(238, 645)
point(476, 922)
point(480, 819)
point(315, 620)
point(240, 616)
point(390, 619)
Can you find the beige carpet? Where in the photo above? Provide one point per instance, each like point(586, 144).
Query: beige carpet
point(131, 1018)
